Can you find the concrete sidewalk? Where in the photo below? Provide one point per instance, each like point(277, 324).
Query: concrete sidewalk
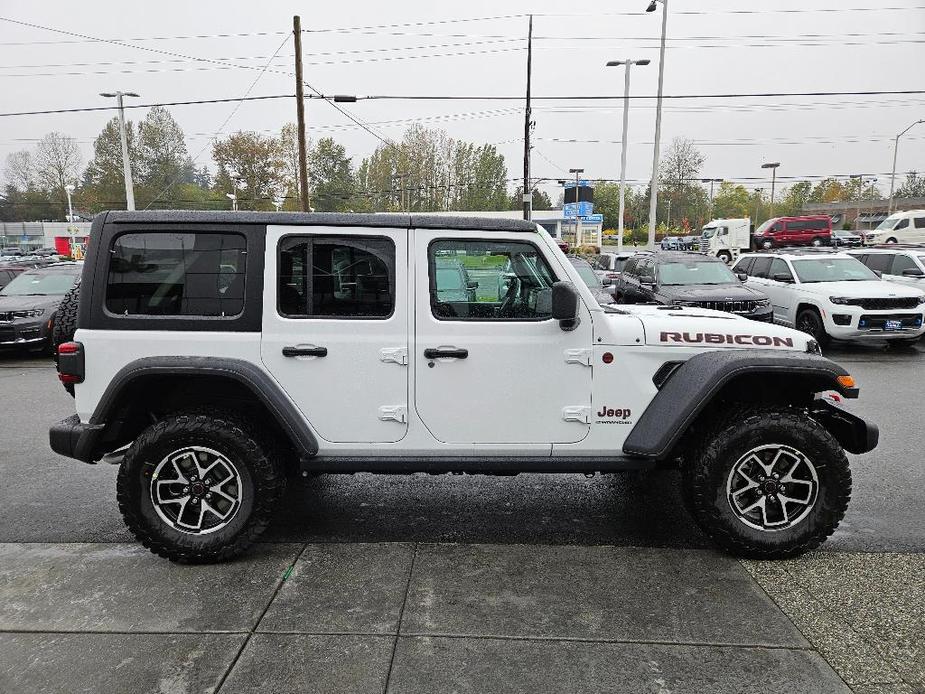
point(439, 617)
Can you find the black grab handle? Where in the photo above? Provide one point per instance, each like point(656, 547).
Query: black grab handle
point(437, 353)
point(305, 351)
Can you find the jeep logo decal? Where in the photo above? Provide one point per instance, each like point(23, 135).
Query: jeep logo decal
point(727, 339)
point(612, 413)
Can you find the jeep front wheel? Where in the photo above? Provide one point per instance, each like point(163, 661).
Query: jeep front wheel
point(773, 483)
point(198, 487)
point(810, 322)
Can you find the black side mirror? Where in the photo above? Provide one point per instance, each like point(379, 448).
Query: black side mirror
point(912, 272)
point(782, 277)
point(606, 281)
point(565, 304)
point(472, 284)
point(742, 276)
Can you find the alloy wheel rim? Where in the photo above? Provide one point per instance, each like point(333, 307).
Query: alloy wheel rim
point(196, 490)
point(772, 487)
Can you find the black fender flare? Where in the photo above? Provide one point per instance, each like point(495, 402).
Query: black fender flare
point(255, 379)
point(691, 387)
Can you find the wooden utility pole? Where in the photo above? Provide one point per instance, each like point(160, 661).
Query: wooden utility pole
point(528, 116)
point(300, 114)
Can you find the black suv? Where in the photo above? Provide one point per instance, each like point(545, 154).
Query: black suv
point(689, 279)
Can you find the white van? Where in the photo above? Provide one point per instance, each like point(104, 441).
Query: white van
point(899, 227)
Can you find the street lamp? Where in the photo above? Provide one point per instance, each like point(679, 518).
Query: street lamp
point(773, 166)
point(126, 165)
point(653, 187)
point(626, 115)
point(895, 151)
point(711, 181)
point(234, 200)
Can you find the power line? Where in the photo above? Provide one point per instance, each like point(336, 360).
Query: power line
point(150, 105)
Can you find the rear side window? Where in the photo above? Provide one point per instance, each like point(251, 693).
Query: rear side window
point(920, 222)
point(879, 262)
point(761, 267)
point(177, 274)
point(336, 277)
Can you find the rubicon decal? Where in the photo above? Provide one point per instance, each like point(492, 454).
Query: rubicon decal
point(726, 339)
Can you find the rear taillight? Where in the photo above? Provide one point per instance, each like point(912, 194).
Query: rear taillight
point(71, 362)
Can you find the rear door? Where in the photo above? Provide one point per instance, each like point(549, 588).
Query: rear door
point(335, 328)
point(497, 370)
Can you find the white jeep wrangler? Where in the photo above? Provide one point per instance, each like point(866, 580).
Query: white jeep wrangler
point(218, 353)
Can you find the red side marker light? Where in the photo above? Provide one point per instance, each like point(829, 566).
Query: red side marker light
point(607, 357)
point(68, 348)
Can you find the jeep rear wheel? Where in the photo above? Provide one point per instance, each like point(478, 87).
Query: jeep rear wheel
point(772, 484)
point(766, 244)
point(198, 487)
point(810, 322)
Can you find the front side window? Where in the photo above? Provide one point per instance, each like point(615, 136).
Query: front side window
point(779, 271)
point(489, 280)
point(832, 270)
point(336, 277)
point(902, 263)
point(177, 274)
point(745, 265)
point(901, 224)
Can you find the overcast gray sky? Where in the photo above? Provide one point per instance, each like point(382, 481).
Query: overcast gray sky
point(715, 46)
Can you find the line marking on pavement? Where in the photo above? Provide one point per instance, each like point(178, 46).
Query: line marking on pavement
point(250, 634)
point(401, 614)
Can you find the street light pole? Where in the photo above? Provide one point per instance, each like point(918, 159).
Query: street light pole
point(126, 164)
point(773, 166)
point(895, 151)
point(711, 181)
point(68, 189)
point(653, 186)
point(577, 173)
point(626, 115)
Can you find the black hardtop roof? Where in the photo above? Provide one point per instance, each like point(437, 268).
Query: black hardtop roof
point(342, 219)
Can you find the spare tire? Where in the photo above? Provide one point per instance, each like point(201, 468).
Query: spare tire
point(66, 324)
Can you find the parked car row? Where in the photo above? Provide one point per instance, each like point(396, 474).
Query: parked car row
point(829, 293)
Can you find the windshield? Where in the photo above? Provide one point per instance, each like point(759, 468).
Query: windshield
point(832, 270)
point(708, 232)
point(40, 284)
point(889, 222)
point(696, 272)
point(587, 275)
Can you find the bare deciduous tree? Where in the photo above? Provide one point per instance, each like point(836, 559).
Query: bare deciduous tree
point(57, 162)
point(20, 170)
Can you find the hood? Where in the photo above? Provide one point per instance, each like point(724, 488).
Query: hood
point(23, 303)
point(711, 292)
point(704, 329)
point(863, 289)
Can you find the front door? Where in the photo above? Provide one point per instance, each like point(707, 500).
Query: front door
point(491, 364)
point(335, 328)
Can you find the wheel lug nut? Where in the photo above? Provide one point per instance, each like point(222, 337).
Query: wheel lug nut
point(208, 495)
point(186, 490)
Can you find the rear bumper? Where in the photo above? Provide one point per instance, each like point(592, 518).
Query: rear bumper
point(72, 438)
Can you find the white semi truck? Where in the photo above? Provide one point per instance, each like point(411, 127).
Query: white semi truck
point(726, 238)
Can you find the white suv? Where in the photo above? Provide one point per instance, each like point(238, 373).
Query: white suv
point(218, 353)
point(903, 264)
point(833, 295)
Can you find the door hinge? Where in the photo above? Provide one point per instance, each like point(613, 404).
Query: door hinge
point(395, 413)
point(578, 356)
point(396, 355)
point(577, 413)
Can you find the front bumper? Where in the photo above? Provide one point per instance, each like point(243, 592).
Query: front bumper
point(853, 433)
point(872, 324)
point(74, 439)
point(764, 314)
point(23, 333)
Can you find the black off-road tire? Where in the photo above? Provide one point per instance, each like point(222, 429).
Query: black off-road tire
point(809, 321)
point(707, 470)
point(65, 325)
point(263, 482)
point(66, 318)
